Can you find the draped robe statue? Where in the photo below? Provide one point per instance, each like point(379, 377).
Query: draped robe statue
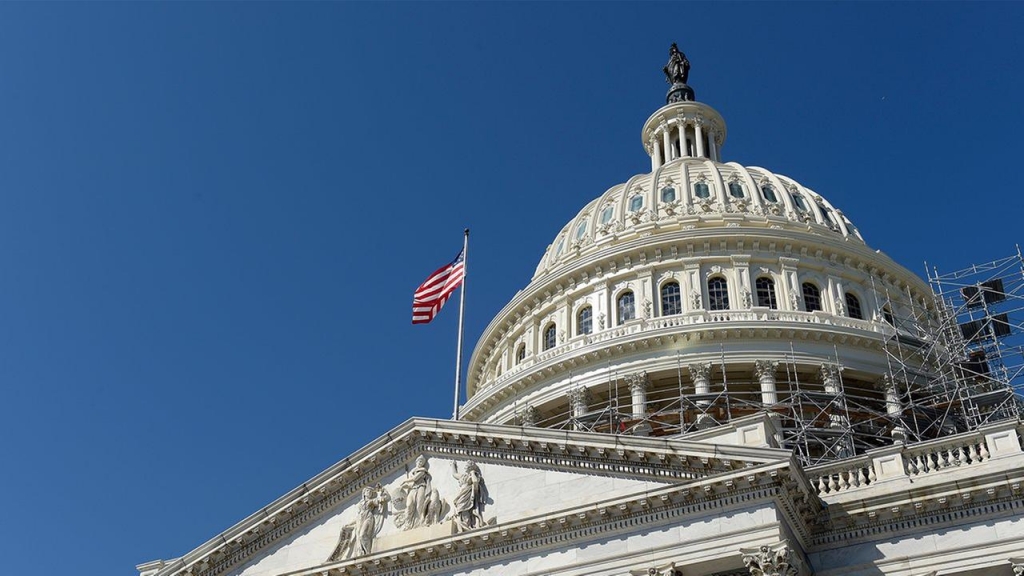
point(678, 68)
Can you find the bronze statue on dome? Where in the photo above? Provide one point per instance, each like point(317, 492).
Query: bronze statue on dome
point(678, 68)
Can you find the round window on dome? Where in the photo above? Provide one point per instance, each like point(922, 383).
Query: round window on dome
point(581, 230)
point(701, 190)
point(668, 194)
point(636, 203)
point(606, 214)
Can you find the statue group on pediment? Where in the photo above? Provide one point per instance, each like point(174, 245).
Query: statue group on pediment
point(416, 503)
point(357, 536)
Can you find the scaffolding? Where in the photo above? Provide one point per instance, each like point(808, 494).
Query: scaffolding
point(953, 363)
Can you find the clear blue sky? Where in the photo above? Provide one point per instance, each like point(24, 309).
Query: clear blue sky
point(213, 216)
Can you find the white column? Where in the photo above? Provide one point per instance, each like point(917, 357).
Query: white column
point(700, 373)
point(765, 371)
point(657, 161)
point(683, 150)
point(579, 400)
point(712, 135)
point(830, 379)
point(698, 134)
point(667, 141)
point(638, 385)
point(893, 408)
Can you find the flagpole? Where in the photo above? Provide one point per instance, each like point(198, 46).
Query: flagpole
point(462, 311)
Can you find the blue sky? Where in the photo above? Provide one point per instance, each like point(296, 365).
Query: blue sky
point(213, 216)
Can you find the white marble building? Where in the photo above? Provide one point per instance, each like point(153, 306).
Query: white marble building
point(698, 380)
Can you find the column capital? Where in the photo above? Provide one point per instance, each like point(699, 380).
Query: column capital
point(1017, 565)
point(638, 381)
point(529, 416)
point(699, 370)
point(830, 372)
point(774, 560)
point(579, 398)
point(765, 368)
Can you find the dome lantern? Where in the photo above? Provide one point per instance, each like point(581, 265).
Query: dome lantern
point(683, 128)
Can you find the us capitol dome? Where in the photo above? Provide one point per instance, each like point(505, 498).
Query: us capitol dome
point(711, 373)
point(703, 291)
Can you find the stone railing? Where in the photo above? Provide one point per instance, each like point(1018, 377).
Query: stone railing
point(912, 462)
point(844, 475)
point(668, 323)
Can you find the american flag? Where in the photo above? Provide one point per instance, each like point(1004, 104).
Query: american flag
point(435, 290)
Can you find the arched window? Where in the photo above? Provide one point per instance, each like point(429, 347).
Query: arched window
point(585, 321)
point(520, 354)
point(549, 337)
point(764, 289)
point(627, 307)
point(561, 245)
point(668, 194)
point(718, 293)
point(769, 193)
point(853, 308)
point(735, 190)
point(812, 297)
point(701, 190)
point(887, 315)
point(606, 214)
point(636, 203)
point(581, 230)
point(671, 302)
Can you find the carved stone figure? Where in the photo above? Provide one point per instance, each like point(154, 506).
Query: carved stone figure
point(530, 416)
point(468, 505)
point(357, 537)
point(416, 502)
point(678, 68)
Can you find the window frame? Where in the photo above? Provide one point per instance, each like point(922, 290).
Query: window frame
point(718, 293)
point(850, 306)
point(633, 200)
point(551, 329)
point(677, 305)
point(769, 291)
point(697, 189)
point(589, 321)
point(808, 298)
point(736, 185)
point(620, 320)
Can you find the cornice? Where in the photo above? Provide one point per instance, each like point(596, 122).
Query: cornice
point(660, 459)
point(766, 484)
